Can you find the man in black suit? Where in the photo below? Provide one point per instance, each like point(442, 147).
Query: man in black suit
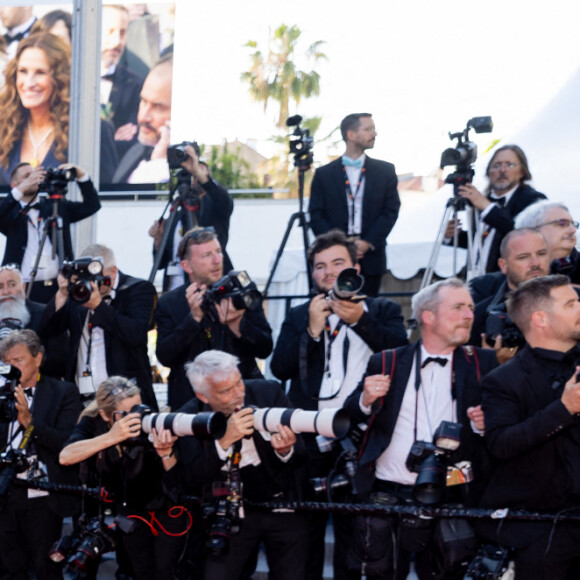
point(359, 196)
point(188, 325)
point(531, 407)
point(554, 221)
point(268, 466)
point(146, 159)
point(524, 255)
point(209, 205)
point(31, 520)
point(408, 392)
point(506, 196)
point(108, 332)
point(323, 348)
point(23, 218)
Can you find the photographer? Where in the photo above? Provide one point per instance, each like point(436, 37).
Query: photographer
point(23, 218)
point(267, 465)
point(31, 520)
point(524, 255)
point(531, 407)
point(208, 205)
point(506, 196)
point(188, 324)
point(403, 397)
point(131, 466)
point(323, 347)
point(108, 330)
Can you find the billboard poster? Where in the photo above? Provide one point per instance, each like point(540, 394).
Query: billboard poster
point(135, 87)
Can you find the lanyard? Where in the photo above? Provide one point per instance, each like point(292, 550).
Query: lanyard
point(352, 196)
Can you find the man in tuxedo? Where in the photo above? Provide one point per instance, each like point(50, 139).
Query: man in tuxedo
point(146, 160)
point(268, 466)
point(22, 220)
point(108, 332)
point(187, 324)
point(531, 407)
point(18, 21)
point(405, 395)
point(323, 348)
point(554, 221)
point(524, 255)
point(45, 413)
point(506, 196)
point(359, 196)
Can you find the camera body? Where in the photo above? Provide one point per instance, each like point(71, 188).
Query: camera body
point(238, 286)
point(498, 323)
point(84, 271)
point(8, 412)
point(347, 285)
point(176, 154)
point(55, 181)
point(301, 143)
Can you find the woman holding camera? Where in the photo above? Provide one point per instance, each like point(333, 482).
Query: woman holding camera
point(138, 471)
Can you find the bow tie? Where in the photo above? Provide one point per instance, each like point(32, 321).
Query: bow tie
point(499, 200)
point(16, 38)
point(29, 393)
point(348, 162)
point(436, 359)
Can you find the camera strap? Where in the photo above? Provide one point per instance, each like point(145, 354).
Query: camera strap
point(352, 197)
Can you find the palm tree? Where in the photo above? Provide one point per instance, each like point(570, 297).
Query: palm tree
point(273, 76)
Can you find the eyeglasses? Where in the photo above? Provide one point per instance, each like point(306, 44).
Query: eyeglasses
point(195, 234)
point(193, 238)
point(120, 389)
point(10, 267)
point(563, 223)
point(500, 164)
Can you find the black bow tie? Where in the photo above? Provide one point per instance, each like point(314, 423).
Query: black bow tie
point(16, 38)
point(499, 200)
point(436, 359)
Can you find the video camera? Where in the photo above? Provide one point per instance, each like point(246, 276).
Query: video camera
point(55, 181)
point(84, 271)
point(463, 156)
point(429, 461)
point(8, 412)
point(498, 323)
point(238, 286)
point(176, 154)
point(301, 142)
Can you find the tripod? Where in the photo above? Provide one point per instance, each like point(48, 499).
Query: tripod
point(53, 225)
point(302, 161)
point(183, 198)
point(453, 206)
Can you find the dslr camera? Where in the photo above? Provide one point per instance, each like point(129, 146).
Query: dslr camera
point(56, 180)
point(429, 461)
point(238, 286)
point(498, 323)
point(8, 412)
point(176, 154)
point(348, 285)
point(80, 273)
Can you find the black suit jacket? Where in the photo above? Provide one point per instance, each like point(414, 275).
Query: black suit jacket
point(55, 410)
point(200, 462)
point(328, 207)
point(125, 96)
point(501, 219)
point(14, 225)
point(381, 327)
point(130, 160)
point(125, 322)
point(467, 371)
point(180, 338)
point(485, 290)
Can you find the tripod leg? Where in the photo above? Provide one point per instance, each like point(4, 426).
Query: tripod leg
point(164, 239)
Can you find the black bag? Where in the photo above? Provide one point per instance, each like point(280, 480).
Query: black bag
point(415, 533)
point(455, 546)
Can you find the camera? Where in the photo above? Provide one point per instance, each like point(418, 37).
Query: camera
point(176, 154)
point(301, 142)
point(81, 550)
point(225, 518)
point(238, 286)
point(347, 285)
point(333, 423)
point(8, 412)
point(84, 271)
point(498, 323)
point(7, 325)
point(465, 153)
point(55, 181)
point(429, 461)
point(341, 478)
point(202, 425)
point(490, 563)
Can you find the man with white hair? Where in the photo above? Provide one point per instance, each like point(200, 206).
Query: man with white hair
point(108, 332)
point(554, 221)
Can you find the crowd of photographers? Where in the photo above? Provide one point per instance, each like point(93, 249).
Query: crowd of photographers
point(480, 412)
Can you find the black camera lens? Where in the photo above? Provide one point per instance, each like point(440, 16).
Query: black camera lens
point(80, 291)
point(431, 480)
